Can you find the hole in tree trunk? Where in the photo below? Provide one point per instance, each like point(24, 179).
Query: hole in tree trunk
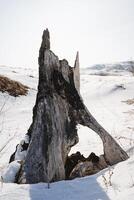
point(89, 142)
point(83, 158)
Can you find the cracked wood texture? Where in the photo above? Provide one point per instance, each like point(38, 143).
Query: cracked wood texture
point(58, 109)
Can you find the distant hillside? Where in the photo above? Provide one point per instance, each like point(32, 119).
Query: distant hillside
point(119, 68)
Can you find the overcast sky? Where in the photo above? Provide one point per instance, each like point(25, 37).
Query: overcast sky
point(102, 30)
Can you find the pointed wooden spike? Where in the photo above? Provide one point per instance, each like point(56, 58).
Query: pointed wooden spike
point(76, 70)
point(46, 39)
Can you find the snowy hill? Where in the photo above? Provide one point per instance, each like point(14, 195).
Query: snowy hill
point(106, 98)
point(121, 68)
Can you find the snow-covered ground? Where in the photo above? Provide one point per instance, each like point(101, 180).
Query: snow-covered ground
point(116, 69)
point(104, 96)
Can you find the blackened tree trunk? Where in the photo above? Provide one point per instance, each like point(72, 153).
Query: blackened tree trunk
point(58, 109)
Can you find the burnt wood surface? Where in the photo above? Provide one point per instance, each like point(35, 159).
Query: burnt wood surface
point(58, 109)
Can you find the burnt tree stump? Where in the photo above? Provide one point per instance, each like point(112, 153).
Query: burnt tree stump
point(58, 109)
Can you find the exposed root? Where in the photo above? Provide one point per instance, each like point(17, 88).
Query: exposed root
point(79, 166)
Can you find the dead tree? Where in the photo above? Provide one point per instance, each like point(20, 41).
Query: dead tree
point(58, 109)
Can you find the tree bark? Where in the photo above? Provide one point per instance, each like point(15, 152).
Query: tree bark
point(58, 109)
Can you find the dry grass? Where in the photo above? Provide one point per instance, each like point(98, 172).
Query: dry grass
point(129, 101)
point(14, 88)
point(108, 178)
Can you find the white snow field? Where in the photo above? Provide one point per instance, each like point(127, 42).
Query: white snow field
point(104, 97)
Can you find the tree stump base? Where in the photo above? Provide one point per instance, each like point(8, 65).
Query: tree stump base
point(59, 108)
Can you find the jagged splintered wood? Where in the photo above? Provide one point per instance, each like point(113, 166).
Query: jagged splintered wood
point(58, 109)
point(76, 71)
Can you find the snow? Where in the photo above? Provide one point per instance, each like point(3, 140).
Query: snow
point(9, 173)
point(116, 69)
point(104, 96)
point(90, 187)
point(20, 155)
point(26, 138)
